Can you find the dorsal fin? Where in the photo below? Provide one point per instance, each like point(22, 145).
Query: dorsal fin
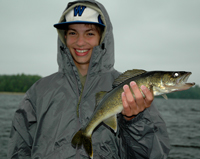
point(126, 75)
point(99, 96)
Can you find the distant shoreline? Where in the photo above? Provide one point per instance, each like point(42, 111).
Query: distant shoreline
point(12, 93)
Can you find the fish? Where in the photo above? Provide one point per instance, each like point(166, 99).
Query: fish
point(109, 104)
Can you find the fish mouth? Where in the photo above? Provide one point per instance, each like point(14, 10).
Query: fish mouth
point(182, 82)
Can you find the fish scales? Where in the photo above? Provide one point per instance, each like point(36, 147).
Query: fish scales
point(110, 103)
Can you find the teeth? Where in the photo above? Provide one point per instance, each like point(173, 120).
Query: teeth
point(81, 51)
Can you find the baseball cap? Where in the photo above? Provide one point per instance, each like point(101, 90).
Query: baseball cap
point(80, 14)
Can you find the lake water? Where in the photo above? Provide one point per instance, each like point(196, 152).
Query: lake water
point(181, 116)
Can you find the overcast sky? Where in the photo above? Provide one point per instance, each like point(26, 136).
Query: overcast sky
point(149, 34)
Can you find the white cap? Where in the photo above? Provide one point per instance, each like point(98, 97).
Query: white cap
point(80, 14)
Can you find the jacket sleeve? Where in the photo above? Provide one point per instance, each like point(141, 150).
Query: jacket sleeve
point(144, 137)
point(23, 126)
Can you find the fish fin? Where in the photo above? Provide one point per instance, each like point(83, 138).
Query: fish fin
point(99, 96)
point(112, 122)
point(165, 96)
point(126, 75)
point(80, 139)
point(160, 91)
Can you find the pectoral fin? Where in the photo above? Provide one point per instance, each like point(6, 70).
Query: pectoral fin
point(165, 96)
point(112, 122)
point(160, 91)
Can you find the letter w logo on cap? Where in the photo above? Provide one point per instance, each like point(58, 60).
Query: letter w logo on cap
point(79, 10)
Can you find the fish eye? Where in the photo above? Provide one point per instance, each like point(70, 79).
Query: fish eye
point(176, 74)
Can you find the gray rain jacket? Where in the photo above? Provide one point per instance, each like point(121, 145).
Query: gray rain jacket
point(46, 119)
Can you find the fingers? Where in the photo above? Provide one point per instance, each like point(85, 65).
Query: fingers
point(124, 103)
point(129, 103)
point(149, 97)
point(133, 106)
point(139, 99)
point(127, 110)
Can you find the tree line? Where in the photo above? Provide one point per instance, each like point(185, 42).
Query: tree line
point(22, 82)
point(17, 83)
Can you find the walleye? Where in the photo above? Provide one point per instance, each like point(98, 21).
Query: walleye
point(109, 104)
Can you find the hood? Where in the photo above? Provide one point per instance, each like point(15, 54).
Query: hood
point(102, 59)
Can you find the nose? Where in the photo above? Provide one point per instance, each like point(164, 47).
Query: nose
point(80, 40)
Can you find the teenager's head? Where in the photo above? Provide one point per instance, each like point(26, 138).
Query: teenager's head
point(81, 13)
point(81, 28)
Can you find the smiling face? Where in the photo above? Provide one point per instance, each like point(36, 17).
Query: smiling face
point(81, 39)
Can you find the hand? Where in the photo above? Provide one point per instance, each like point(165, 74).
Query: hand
point(135, 106)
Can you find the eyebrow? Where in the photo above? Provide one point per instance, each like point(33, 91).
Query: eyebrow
point(91, 29)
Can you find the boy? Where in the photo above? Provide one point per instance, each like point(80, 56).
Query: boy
point(57, 106)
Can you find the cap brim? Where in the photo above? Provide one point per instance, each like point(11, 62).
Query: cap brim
point(64, 25)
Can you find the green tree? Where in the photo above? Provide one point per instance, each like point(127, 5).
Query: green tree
point(17, 83)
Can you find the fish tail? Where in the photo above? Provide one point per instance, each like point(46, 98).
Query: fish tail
point(80, 139)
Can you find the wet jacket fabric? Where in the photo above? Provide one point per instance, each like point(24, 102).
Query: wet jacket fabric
point(46, 119)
